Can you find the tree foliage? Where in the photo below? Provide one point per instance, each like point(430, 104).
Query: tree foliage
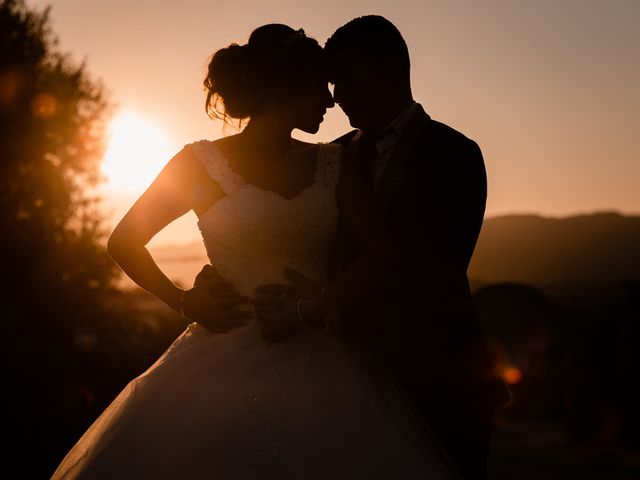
point(52, 139)
point(55, 269)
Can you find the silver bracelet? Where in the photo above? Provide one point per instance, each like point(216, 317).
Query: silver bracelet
point(299, 309)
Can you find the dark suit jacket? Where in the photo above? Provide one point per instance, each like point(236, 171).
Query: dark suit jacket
point(421, 322)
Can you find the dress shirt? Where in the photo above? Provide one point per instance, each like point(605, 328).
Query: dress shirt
point(389, 137)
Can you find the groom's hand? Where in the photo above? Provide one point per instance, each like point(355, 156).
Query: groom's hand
point(272, 296)
point(275, 304)
point(305, 287)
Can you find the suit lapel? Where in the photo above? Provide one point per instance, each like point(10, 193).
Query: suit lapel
point(392, 175)
point(346, 139)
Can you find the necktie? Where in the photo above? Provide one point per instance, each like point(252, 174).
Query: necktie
point(368, 152)
point(367, 148)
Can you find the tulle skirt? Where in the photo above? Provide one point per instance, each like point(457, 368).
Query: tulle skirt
point(234, 406)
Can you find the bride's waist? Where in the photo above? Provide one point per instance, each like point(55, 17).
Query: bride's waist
point(331, 325)
point(247, 280)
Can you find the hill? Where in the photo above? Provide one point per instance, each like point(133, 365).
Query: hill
point(601, 248)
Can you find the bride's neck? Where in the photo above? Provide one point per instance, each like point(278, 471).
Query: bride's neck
point(268, 131)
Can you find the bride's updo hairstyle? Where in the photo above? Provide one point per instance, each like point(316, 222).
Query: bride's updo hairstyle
point(243, 79)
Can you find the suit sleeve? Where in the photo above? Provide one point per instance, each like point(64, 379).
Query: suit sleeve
point(452, 205)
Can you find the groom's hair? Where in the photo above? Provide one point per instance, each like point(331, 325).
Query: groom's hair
point(374, 37)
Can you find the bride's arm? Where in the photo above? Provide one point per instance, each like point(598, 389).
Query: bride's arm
point(170, 195)
point(375, 258)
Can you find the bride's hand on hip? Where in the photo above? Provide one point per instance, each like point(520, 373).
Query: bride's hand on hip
point(212, 301)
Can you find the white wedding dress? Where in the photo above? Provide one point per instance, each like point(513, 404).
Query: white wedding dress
point(235, 406)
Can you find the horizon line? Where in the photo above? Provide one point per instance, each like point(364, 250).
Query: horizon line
point(611, 211)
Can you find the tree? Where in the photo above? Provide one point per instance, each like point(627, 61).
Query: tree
point(52, 141)
point(55, 269)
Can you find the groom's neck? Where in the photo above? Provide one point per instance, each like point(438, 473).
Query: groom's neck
point(389, 110)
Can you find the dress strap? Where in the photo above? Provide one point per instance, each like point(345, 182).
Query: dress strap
point(217, 166)
point(329, 163)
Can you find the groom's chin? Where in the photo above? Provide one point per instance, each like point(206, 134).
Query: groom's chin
point(353, 121)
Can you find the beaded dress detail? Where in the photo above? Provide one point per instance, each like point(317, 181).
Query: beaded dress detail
point(235, 406)
point(252, 233)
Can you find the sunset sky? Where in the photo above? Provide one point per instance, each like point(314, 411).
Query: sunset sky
point(549, 89)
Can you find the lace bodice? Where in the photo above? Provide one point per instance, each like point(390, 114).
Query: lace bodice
point(251, 234)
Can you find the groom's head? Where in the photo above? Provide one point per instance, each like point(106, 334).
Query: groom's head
point(369, 67)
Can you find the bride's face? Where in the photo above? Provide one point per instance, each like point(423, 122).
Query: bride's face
point(309, 104)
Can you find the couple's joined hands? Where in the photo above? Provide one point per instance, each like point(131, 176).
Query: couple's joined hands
point(212, 301)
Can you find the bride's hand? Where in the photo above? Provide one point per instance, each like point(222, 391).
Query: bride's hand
point(211, 303)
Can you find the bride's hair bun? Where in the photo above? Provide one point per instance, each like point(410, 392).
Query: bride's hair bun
point(241, 79)
point(231, 83)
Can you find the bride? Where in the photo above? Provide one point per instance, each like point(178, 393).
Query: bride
point(251, 388)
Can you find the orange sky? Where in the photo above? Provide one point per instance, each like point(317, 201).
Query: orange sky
point(549, 89)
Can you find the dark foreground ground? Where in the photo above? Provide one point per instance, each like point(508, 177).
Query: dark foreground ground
point(524, 446)
point(539, 450)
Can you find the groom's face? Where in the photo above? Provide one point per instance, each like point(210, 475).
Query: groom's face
point(357, 87)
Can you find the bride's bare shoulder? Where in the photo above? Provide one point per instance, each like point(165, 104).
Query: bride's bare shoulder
point(221, 143)
point(188, 166)
point(193, 156)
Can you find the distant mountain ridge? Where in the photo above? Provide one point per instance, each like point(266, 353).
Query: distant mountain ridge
point(593, 248)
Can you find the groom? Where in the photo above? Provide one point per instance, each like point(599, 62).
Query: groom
point(429, 185)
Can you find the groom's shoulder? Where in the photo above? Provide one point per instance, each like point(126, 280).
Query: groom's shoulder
point(345, 139)
point(443, 137)
point(448, 134)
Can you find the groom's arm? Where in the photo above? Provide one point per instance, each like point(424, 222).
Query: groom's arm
point(465, 195)
point(452, 202)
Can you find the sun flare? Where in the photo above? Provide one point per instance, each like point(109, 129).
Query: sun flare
point(137, 150)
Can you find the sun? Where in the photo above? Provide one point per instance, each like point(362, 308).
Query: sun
point(137, 149)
